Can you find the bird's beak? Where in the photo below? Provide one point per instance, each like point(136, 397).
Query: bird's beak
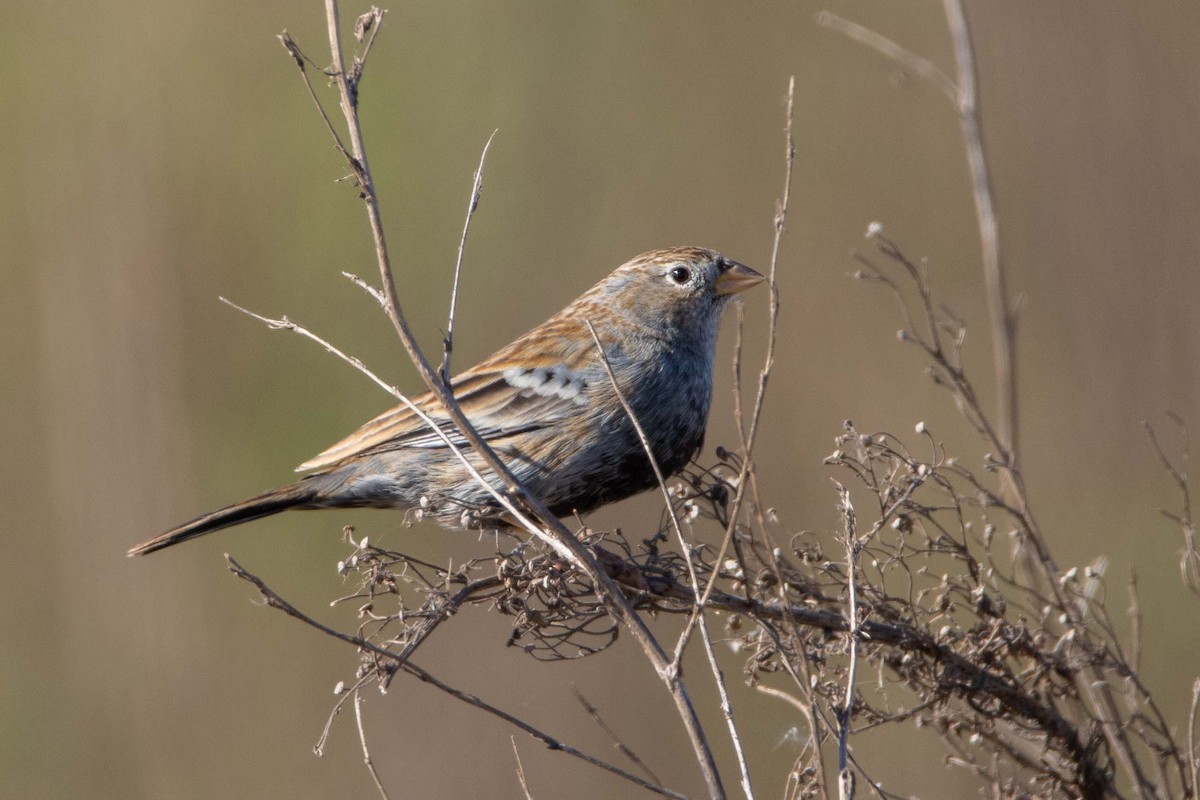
point(736, 278)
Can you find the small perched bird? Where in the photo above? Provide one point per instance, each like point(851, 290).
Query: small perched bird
point(547, 406)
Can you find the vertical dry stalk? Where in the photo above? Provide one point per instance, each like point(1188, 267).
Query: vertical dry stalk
point(362, 739)
point(476, 192)
point(1004, 325)
point(748, 438)
point(845, 774)
point(520, 769)
point(1193, 752)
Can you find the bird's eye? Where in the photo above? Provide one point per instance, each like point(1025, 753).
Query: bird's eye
point(680, 274)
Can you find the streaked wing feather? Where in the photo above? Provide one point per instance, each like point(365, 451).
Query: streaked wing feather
point(534, 382)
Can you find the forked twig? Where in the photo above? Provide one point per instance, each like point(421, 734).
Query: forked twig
point(301, 61)
point(345, 696)
point(1189, 558)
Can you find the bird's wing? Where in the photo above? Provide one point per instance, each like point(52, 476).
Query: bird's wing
point(537, 381)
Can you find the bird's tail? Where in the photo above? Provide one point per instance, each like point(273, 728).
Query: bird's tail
point(296, 495)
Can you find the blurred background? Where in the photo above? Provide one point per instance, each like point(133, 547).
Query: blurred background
point(159, 155)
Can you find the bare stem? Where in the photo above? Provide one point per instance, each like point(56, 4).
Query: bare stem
point(1189, 559)
point(922, 67)
point(746, 473)
point(362, 738)
point(1004, 322)
point(623, 748)
point(476, 191)
point(549, 741)
point(845, 774)
point(1193, 753)
point(520, 769)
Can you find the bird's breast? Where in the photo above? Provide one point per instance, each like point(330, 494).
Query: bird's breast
point(671, 405)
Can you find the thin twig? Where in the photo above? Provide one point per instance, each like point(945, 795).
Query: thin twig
point(748, 476)
point(362, 738)
point(273, 600)
point(520, 769)
point(346, 694)
point(748, 438)
point(780, 225)
point(623, 748)
point(300, 59)
point(1189, 558)
point(1004, 322)
point(476, 191)
point(1135, 623)
point(779, 694)
point(845, 774)
point(366, 287)
point(1193, 753)
point(551, 742)
point(921, 67)
point(686, 549)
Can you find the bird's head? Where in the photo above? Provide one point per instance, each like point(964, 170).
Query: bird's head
point(677, 290)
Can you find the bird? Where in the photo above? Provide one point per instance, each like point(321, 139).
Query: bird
point(545, 404)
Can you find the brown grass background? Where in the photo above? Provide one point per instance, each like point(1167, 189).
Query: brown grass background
point(158, 155)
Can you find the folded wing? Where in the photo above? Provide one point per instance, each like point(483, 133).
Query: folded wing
point(531, 384)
